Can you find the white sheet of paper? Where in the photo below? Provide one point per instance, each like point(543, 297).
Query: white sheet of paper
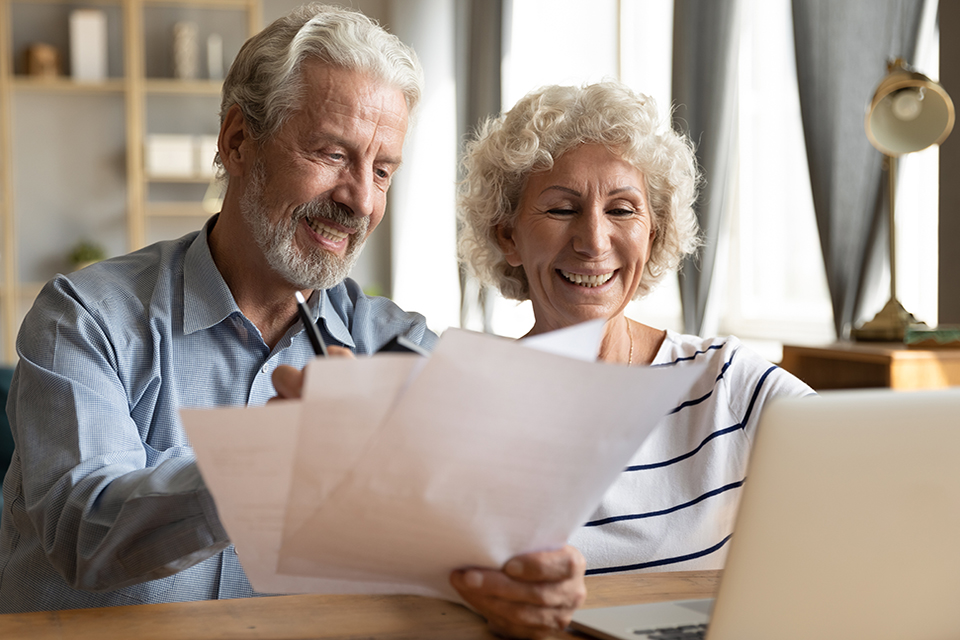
point(250, 477)
point(345, 403)
point(395, 470)
point(492, 450)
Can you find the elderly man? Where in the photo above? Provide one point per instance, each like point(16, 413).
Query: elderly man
point(104, 504)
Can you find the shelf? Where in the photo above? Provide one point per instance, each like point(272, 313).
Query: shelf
point(189, 87)
point(102, 189)
point(176, 210)
point(66, 85)
point(180, 180)
point(68, 2)
point(214, 4)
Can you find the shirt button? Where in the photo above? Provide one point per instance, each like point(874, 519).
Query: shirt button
point(265, 368)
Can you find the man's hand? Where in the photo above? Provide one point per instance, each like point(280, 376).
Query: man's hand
point(533, 596)
point(288, 381)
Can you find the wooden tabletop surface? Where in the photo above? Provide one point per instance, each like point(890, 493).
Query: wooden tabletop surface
point(318, 617)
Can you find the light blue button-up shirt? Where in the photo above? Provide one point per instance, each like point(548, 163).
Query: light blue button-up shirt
point(103, 502)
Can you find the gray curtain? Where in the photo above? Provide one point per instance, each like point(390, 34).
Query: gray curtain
point(705, 42)
point(842, 49)
point(479, 56)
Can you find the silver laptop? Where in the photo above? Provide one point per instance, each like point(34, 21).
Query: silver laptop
point(848, 527)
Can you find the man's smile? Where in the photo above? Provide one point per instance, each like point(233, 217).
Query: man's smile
point(327, 231)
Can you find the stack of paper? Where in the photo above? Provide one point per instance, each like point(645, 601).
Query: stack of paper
point(396, 469)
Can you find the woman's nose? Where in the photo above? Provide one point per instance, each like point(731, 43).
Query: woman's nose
point(592, 233)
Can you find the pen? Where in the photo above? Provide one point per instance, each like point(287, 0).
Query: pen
point(316, 340)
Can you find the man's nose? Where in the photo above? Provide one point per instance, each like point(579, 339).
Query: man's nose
point(356, 190)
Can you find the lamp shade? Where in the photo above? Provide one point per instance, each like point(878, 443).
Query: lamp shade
point(909, 112)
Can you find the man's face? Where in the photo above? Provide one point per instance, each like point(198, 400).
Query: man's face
point(318, 187)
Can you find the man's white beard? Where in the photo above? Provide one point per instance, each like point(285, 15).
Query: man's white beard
point(318, 269)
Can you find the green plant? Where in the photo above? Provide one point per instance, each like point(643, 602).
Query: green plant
point(85, 252)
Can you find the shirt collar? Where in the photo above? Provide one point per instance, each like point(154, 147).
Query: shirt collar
point(335, 324)
point(207, 300)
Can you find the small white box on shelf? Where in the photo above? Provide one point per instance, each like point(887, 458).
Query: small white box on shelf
point(88, 45)
point(206, 152)
point(170, 156)
point(215, 56)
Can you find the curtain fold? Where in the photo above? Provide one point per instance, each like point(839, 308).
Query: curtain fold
point(842, 47)
point(479, 57)
point(705, 46)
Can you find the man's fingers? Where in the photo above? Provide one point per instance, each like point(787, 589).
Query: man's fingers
point(288, 382)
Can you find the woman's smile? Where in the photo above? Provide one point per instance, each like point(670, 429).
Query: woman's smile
point(588, 281)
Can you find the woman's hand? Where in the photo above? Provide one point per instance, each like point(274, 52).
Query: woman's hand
point(533, 596)
point(288, 381)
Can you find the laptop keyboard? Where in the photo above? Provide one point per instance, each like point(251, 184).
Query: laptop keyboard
point(686, 632)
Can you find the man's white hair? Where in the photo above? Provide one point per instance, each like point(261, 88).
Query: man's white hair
point(266, 79)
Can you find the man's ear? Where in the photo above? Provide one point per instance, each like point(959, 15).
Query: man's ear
point(235, 142)
point(508, 245)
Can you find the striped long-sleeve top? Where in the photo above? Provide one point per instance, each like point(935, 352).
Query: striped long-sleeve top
point(673, 507)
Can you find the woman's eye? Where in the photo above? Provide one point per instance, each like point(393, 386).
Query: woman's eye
point(620, 212)
point(561, 212)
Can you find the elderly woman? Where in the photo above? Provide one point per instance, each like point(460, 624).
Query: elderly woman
point(580, 200)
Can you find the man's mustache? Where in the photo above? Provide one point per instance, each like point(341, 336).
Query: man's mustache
point(333, 211)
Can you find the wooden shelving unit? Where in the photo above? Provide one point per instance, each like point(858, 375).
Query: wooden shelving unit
point(136, 38)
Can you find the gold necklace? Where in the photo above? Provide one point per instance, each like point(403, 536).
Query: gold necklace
point(629, 335)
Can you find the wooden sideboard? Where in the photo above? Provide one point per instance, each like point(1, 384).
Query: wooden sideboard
point(849, 365)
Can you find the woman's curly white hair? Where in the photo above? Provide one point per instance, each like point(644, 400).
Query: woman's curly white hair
point(540, 128)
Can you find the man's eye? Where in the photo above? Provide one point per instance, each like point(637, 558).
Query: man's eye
point(383, 174)
point(335, 156)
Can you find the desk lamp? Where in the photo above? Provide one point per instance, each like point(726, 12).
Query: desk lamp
point(908, 112)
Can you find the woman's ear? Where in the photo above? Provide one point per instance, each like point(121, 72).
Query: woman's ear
point(508, 245)
point(234, 142)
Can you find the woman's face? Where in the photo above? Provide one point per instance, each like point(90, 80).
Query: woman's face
point(582, 234)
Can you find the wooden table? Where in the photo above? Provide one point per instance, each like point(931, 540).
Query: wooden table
point(848, 365)
point(320, 617)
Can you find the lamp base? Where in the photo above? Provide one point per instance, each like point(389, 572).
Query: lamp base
point(889, 325)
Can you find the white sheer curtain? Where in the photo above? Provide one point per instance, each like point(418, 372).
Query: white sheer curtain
point(774, 279)
point(422, 197)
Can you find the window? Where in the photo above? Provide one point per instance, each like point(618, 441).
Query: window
point(773, 273)
point(769, 284)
